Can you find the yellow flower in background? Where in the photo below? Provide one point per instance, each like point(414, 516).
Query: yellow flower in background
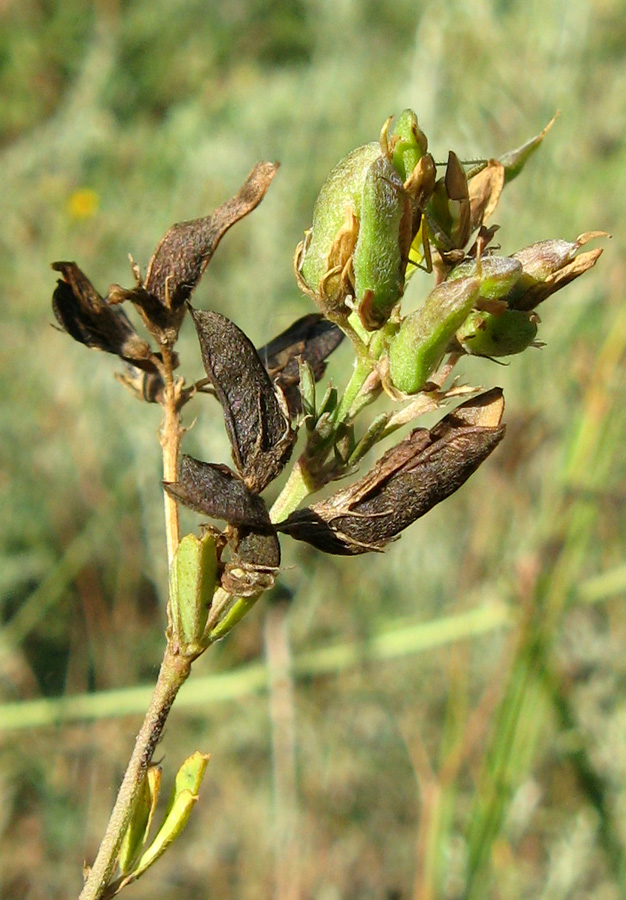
point(83, 203)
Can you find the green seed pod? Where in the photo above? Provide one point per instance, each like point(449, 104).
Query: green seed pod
point(365, 218)
point(497, 275)
point(409, 144)
point(421, 341)
point(382, 247)
point(341, 191)
point(193, 577)
point(487, 334)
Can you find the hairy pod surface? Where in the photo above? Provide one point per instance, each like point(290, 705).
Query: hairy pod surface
point(423, 337)
point(411, 478)
point(382, 247)
point(341, 190)
point(494, 335)
point(216, 491)
point(255, 411)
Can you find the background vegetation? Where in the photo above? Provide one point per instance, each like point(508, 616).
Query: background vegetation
point(453, 720)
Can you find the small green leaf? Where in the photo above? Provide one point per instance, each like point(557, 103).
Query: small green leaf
point(141, 819)
point(515, 160)
point(370, 438)
point(328, 403)
point(307, 391)
point(183, 799)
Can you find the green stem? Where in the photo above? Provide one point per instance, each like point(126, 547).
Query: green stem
point(298, 487)
point(240, 608)
point(300, 484)
point(346, 409)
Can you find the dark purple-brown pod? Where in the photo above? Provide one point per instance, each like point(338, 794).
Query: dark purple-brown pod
point(411, 478)
point(186, 249)
point(216, 491)
point(311, 339)
point(255, 411)
point(254, 565)
point(89, 319)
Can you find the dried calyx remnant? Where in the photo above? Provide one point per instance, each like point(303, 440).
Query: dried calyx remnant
point(385, 210)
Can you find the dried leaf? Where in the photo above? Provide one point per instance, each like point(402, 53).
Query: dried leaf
point(255, 411)
point(405, 483)
point(311, 339)
point(89, 319)
point(539, 292)
point(484, 192)
point(550, 265)
point(216, 491)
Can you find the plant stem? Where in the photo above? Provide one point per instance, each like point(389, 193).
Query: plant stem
point(169, 436)
point(302, 481)
point(172, 675)
point(174, 669)
point(362, 368)
point(299, 485)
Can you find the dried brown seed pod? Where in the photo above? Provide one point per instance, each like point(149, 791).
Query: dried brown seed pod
point(411, 478)
point(91, 320)
point(310, 339)
point(255, 411)
point(216, 491)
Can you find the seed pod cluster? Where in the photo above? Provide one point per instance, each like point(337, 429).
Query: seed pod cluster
point(365, 220)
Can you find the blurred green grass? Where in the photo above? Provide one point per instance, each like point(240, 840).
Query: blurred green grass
point(491, 766)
